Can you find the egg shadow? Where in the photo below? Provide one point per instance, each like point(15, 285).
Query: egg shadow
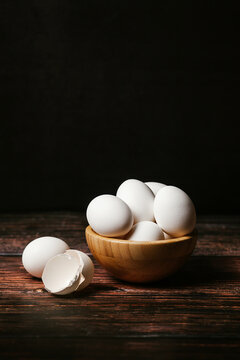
point(197, 271)
point(91, 290)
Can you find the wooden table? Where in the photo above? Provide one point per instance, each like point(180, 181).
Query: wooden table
point(193, 314)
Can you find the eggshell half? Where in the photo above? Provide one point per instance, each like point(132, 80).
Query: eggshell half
point(87, 270)
point(68, 272)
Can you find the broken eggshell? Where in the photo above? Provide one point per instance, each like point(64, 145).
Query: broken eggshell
point(87, 270)
point(68, 272)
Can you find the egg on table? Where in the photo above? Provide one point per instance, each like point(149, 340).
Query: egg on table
point(139, 197)
point(39, 251)
point(108, 215)
point(174, 211)
point(62, 270)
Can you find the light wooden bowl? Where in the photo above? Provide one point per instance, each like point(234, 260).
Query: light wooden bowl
point(140, 261)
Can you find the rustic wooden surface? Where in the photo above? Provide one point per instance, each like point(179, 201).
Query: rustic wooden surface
point(193, 314)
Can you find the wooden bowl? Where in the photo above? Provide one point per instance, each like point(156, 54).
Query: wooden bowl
point(140, 261)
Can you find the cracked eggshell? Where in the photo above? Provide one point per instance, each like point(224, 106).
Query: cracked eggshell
point(109, 216)
point(87, 270)
point(39, 251)
point(68, 272)
point(139, 197)
point(174, 211)
point(155, 186)
point(62, 273)
point(145, 231)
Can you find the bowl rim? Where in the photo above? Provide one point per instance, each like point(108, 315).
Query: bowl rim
point(191, 236)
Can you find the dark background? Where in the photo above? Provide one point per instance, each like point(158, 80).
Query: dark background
point(96, 92)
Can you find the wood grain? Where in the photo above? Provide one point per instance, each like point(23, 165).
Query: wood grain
point(121, 348)
point(193, 314)
point(17, 230)
point(181, 306)
point(216, 235)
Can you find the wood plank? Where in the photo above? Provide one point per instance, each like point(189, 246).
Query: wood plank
point(119, 349)
point(17, 230)
point(217, 235)
point(202, 300)
point(192, 314)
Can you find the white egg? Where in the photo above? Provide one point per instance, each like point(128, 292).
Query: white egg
point(68, 272)
point(145, 231)
point(155, 186)
point(167, 236)
point(174, 211)
point(39, 251)
point(110, 216)
point(139, 198)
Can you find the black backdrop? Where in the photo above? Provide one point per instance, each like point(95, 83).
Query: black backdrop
point(94, 92)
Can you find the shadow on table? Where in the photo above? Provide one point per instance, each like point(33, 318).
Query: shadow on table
point(198, 271)
point(202, 270)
